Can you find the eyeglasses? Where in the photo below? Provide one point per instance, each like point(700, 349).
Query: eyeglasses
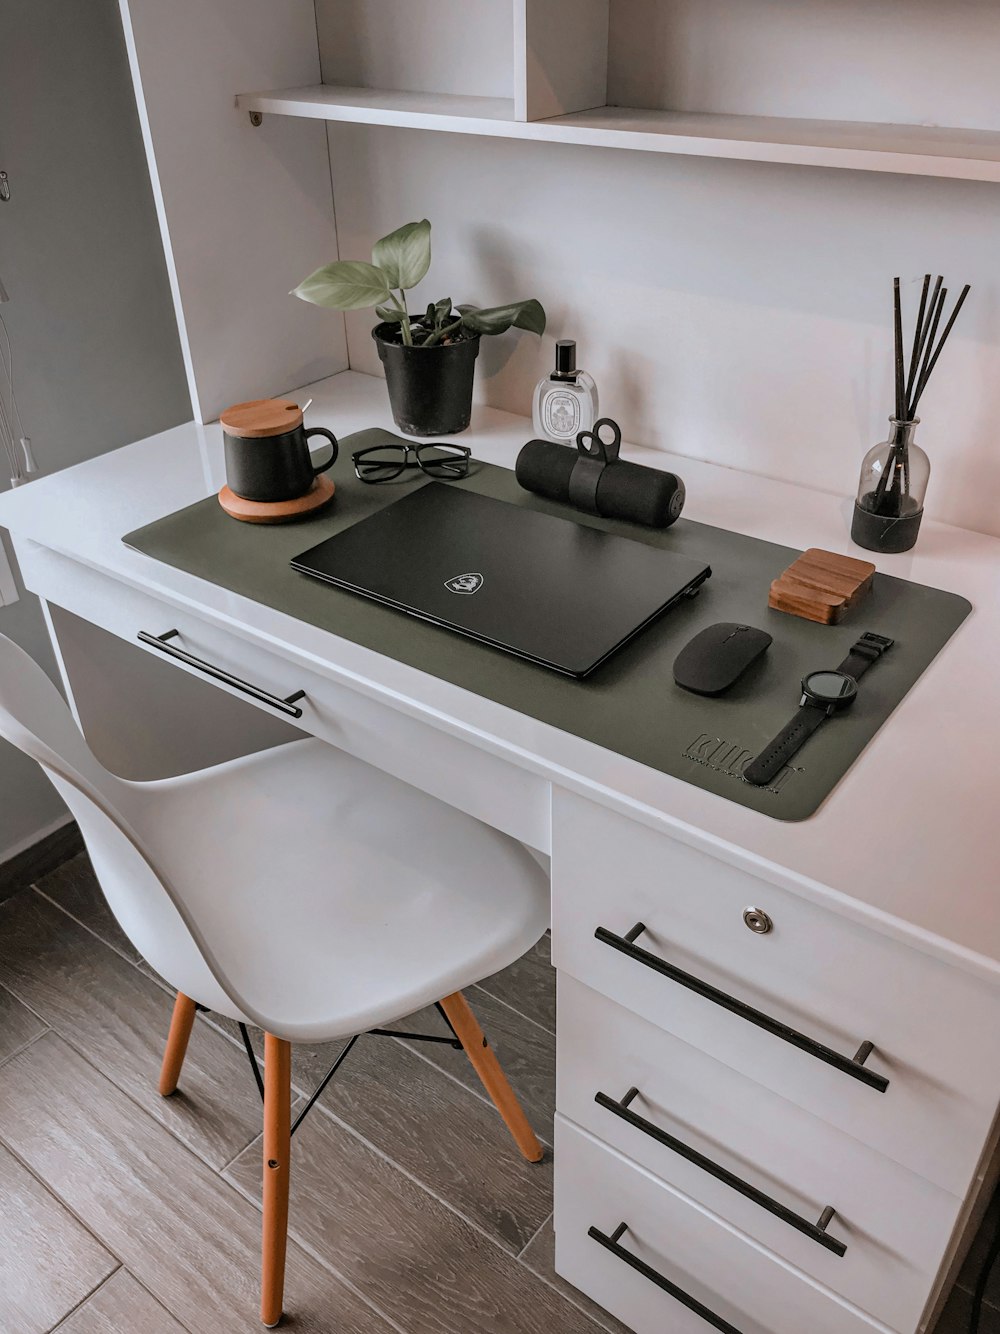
point(383, 463)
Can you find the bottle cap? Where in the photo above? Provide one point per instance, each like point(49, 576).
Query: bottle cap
point(566, 357)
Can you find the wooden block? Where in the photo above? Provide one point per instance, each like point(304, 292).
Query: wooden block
point(829, 581)
point(862, 570)
point(821, 586)
point(812, 604)
point(825, 569)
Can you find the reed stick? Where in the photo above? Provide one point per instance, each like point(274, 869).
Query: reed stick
point(928, 351)
point(922, 382)
point(897, 330)
point(917, 333)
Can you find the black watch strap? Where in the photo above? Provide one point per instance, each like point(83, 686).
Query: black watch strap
point(866, 651)
point(770, 762)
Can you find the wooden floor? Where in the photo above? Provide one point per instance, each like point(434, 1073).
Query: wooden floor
point(125, 1213)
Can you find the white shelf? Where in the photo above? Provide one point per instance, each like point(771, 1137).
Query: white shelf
point(915, 150)
point(372, 106)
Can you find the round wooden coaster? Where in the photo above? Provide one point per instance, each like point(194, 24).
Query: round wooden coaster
point(281, 511)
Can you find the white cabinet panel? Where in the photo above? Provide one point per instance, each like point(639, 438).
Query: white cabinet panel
point(745, 1287)
point(244, 213)
point(935, 1028)
point(895, 1225)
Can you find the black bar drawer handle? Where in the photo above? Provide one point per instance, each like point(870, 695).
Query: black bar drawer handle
point(850, 1065)
point(160, 642)
point(678, 1294)
point(817, 1231)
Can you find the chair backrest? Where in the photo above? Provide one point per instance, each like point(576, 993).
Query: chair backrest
point(36, 719)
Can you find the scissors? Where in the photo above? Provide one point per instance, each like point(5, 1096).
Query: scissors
point(592, 445)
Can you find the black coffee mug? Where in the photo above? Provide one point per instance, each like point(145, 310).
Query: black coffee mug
point(273, 468)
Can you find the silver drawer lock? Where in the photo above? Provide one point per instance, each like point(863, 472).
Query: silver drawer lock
point(757, 920)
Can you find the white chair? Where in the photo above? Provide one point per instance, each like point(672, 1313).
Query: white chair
point(300, 890)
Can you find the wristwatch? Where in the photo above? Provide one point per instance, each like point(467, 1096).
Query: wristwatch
point(823, 694)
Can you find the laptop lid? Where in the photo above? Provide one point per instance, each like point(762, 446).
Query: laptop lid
point(548, 589)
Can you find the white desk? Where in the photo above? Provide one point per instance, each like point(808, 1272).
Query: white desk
point(902, 950)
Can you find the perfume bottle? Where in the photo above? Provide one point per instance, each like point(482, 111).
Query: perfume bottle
point(565, 402)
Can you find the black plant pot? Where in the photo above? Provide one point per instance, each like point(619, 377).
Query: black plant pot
point(430, 388)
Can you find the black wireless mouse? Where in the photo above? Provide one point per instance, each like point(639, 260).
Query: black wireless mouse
point(718, 656)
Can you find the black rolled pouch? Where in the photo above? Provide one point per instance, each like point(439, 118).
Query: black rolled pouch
point(613, 488)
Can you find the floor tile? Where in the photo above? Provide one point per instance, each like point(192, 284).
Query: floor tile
point(23, 870)
point(187, 1236)
point(956, 1314)
point(978, 1253)
point(48, 1261)
point(18, 1026)
point(121, 1306)
point(74, 887)
point(526, 1052)
point(107, 1008)
point(450, 1140)
point(540, 1259)
point(529, 985)
point(422, 1265)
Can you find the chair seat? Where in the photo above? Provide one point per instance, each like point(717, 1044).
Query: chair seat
point(335, 897)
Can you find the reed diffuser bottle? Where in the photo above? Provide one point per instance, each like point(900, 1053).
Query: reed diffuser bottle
point(890, 500)
point(889, 504)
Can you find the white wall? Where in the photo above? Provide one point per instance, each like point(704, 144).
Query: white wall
point(436, 46)
point(97, 360)
point(917, 62)
point(736, 312)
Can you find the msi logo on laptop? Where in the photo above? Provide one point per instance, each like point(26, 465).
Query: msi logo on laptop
point(465, 583)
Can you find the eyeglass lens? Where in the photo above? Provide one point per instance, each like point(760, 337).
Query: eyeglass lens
point(380, 464)
point(443, 460)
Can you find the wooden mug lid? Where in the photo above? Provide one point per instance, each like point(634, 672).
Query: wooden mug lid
point(261, 417)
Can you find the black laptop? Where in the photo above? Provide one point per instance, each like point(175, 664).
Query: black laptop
point(550, 590)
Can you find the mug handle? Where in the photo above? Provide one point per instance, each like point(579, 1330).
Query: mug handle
point(321, 430)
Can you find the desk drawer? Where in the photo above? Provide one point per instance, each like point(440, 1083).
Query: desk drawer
point(483, 785)
point(895, 1225)
point(834, 983)
point(739, 1283)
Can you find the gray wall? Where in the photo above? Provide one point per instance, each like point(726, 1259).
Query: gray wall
point(96, 357)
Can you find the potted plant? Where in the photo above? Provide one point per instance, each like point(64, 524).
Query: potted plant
point(430, 358)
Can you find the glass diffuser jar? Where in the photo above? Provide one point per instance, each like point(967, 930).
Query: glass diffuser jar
point(890, 499)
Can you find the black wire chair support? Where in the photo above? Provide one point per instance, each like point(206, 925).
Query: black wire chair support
point(452, 1041)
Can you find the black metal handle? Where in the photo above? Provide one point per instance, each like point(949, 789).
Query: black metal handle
point(816, 1231)
point(850, 1065)
point(678, 1294)
point(286, 705)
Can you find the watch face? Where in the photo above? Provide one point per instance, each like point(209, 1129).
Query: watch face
point(830, 688)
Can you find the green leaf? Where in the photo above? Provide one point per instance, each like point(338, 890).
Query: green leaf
point(498, 319)
point(531, 316)
point(347, 284)
point(390, 314)
point(404, 256)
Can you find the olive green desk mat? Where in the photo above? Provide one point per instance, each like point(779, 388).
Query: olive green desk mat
point(630, 705)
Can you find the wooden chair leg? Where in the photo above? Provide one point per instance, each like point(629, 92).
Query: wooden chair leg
point(487, 1067)
point(177, 1041)
point(277, 1171)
